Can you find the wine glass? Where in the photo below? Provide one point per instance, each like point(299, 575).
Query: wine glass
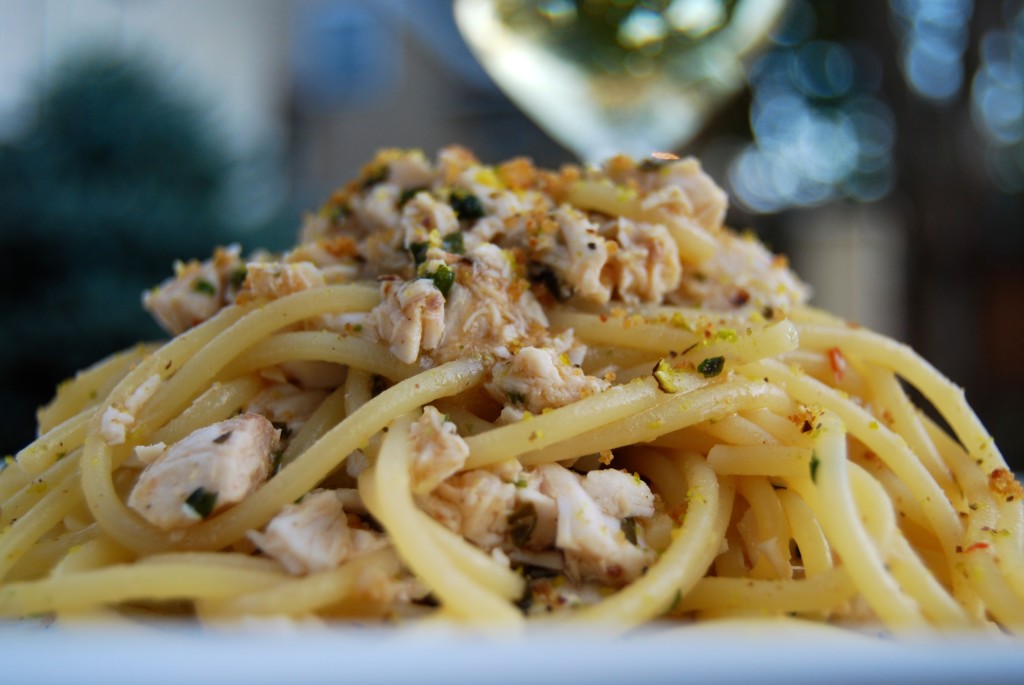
point(610, 76)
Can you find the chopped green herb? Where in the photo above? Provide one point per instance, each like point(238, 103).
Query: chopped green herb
point(542, 274)
point(532, 572)
point(204, 287)
point(201, 502)
point(453, 243)
point(237, 277)
point(334, 212)
point(521, 523)
point(467, 206)
point(375, 176)
point(516, 399)
point(6, 461)
point(443, 279)
point(628, 526)
point(408, 194)
point(815, 463)
point(652, 164)
point(712, 366)
point(520, 483)
point(419, 252)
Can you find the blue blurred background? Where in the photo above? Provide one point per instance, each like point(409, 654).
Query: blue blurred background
point(879, 143)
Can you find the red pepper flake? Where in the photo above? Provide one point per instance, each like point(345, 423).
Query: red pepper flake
point(838, 363)
point(977, 546)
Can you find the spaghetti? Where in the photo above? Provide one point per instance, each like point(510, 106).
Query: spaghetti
point(500, 394)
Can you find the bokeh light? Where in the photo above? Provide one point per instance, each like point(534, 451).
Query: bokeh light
point(933, 36)
point(997, 102)
point(819, 132)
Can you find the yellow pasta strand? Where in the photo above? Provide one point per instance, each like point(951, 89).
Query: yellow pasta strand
point(895, 356)
point(457, 592)
point(126, 582)
point(299, 596)
point(887, 445)
point(56, 444)
point(841, 522)
point(322, 346)
point(293, 481)
point(676, 412)
point(561, 424)
point(821, 593)
point(89, 386)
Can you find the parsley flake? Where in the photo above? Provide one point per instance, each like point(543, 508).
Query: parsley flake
point(650, 164)
point(419, 252)
point(542, 274)
point(467, 206)
point(521, 523)
point(453, 242)
point(204, 287)
point(628, 526)
point(375, 176)
point(712, 366)
point(201, 502)
point(443, 279)
point(408, 194)
point(237, 277)
point(516, 399)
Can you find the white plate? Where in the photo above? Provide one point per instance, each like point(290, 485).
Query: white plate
point(756, 652)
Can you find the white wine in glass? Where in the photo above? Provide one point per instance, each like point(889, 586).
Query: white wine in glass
point(609, 76)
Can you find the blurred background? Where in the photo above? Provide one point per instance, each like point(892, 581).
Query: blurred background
point(880, 144)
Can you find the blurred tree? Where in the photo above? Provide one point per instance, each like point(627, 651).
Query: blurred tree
point(117, 178)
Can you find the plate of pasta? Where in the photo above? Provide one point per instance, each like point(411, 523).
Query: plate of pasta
point(520, 401)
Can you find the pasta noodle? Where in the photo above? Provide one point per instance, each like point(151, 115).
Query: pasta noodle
point(500, 395)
